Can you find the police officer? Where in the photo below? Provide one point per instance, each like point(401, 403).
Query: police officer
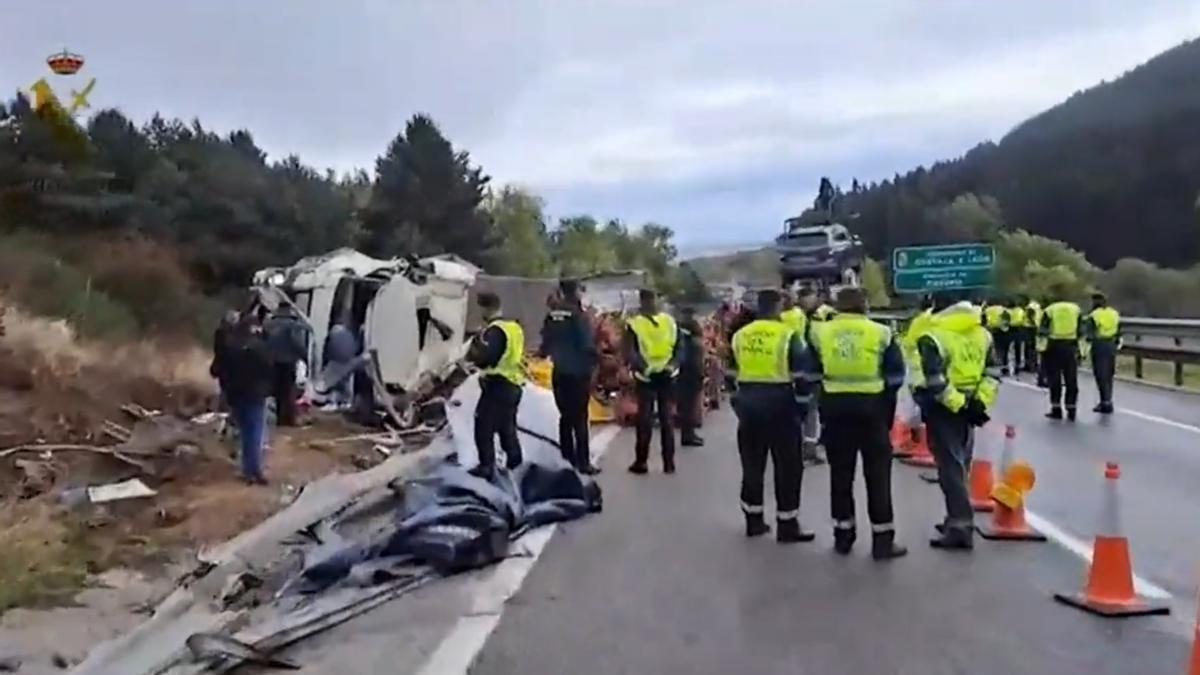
point(690, 383)
point(1033, 312)
point(815, 312)
point(499, 351)
point(956, 385)
point(1060, 327)
point(567, 338)
point(860, 368)
point(766, 354)
point(1103, 329)
point(1020, 333)
point(998, 323)
point(651, 349)
point(793, 315)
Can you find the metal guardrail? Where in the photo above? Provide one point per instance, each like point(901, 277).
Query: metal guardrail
point(1176, 341)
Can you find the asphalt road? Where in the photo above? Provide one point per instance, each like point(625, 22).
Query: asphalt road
point(664, 582)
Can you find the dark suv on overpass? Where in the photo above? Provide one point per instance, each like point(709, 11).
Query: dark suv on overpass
point(828, 253)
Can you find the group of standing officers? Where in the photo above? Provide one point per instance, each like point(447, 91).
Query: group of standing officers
point(791, 359)
point(1051, 343)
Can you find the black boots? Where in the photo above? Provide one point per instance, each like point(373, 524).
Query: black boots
point(790, 532)
point(1103, 408)
point(1055, 413)
point(691, 440)
point(1070, 413)
point(638, 467)
point(755, 525)
point(884, 546)
point(668, 465)
point(843, 540)
point(953, 539)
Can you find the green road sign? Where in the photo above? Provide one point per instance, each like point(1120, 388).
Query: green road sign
point(923, 269)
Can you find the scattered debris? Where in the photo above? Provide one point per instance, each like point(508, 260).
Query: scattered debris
point(10, 664)
point(130, 489)
point(212, 647)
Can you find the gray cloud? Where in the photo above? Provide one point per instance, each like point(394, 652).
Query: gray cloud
point(711, 116)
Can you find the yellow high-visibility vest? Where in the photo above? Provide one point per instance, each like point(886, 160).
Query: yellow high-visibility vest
point(994, 315)
point(1107, 322)
point(761, 350)
point(1064, 321)
point(1018, 317)
point(509, 365)
point(656, 338)
point(795, 319)
point(851, 348)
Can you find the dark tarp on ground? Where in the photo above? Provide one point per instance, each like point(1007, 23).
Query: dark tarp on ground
point(455, 521)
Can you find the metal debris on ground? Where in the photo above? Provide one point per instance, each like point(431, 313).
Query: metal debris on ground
point(214, 648)
point(129, 489)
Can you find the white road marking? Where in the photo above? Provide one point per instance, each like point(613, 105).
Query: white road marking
point(1084, 550)
point(1124, 411)
point(458, 650)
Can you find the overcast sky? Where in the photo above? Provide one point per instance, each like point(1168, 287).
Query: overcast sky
point(716, 117)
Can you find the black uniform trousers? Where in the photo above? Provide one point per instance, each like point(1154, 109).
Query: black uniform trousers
point(654, 397)
point(1062, 371)
point(571, 394)
point(688, 390)
point(496, 415)
point(1022, 336)
point(854, 424)
point(1104, 367)
point(1031, 352)
point(1001, 340)
point(766, 427)
point(283, 390)
point(950, 444)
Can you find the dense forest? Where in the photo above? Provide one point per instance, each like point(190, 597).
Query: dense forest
point(127, 228)
point(1113, 171)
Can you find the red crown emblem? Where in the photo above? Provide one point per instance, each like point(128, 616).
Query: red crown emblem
point(65, 63)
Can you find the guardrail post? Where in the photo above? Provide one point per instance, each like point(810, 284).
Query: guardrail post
point(1137, 366)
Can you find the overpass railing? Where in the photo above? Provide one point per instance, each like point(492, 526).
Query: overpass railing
point(1175, 341)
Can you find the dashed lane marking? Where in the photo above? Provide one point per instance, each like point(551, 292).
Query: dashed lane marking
point(1124, 411)
point(459, 649)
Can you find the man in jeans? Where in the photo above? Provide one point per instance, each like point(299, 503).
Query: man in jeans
point(567, 340)
point(244, 368)
point(956, 384)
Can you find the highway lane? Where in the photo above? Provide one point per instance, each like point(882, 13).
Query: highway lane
point(664, 582)
point(1155, 437)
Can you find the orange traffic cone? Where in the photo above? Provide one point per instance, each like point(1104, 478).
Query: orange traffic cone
point(901, 438)
point(981, 480)
point(1109, 588)
point(1008, 514)
point(1195, 667)
point(920, 450)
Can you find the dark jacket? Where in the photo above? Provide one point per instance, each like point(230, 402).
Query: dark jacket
point(691, 350)
point(287, 337)
point(567, 340)
point(488, 347)
point(245, 365)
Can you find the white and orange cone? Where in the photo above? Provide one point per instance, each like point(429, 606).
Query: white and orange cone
point(1108, 590)
point(921, 456)
point(982, 479)
point(1008, 513)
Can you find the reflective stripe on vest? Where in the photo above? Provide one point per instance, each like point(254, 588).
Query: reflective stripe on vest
point(795, 319)
point(510, 364)
point(1107, 322)
point(1064, 320)
point(1034, 311)
point(851, 348)
point(761, 351)
point(656, 339)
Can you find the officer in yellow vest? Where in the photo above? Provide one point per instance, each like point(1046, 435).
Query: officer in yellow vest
point(860, 367)
point(767, 356)
point(997, 320)
point(1020, 334)
point(651, 349)
point(1103, 330)
point(955, 387)
point(1060, 326)
point(499, 351)
point(793, 316)
point(815, 311)
point(1033, 311)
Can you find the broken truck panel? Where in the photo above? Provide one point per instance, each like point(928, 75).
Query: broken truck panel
point(388, 304)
